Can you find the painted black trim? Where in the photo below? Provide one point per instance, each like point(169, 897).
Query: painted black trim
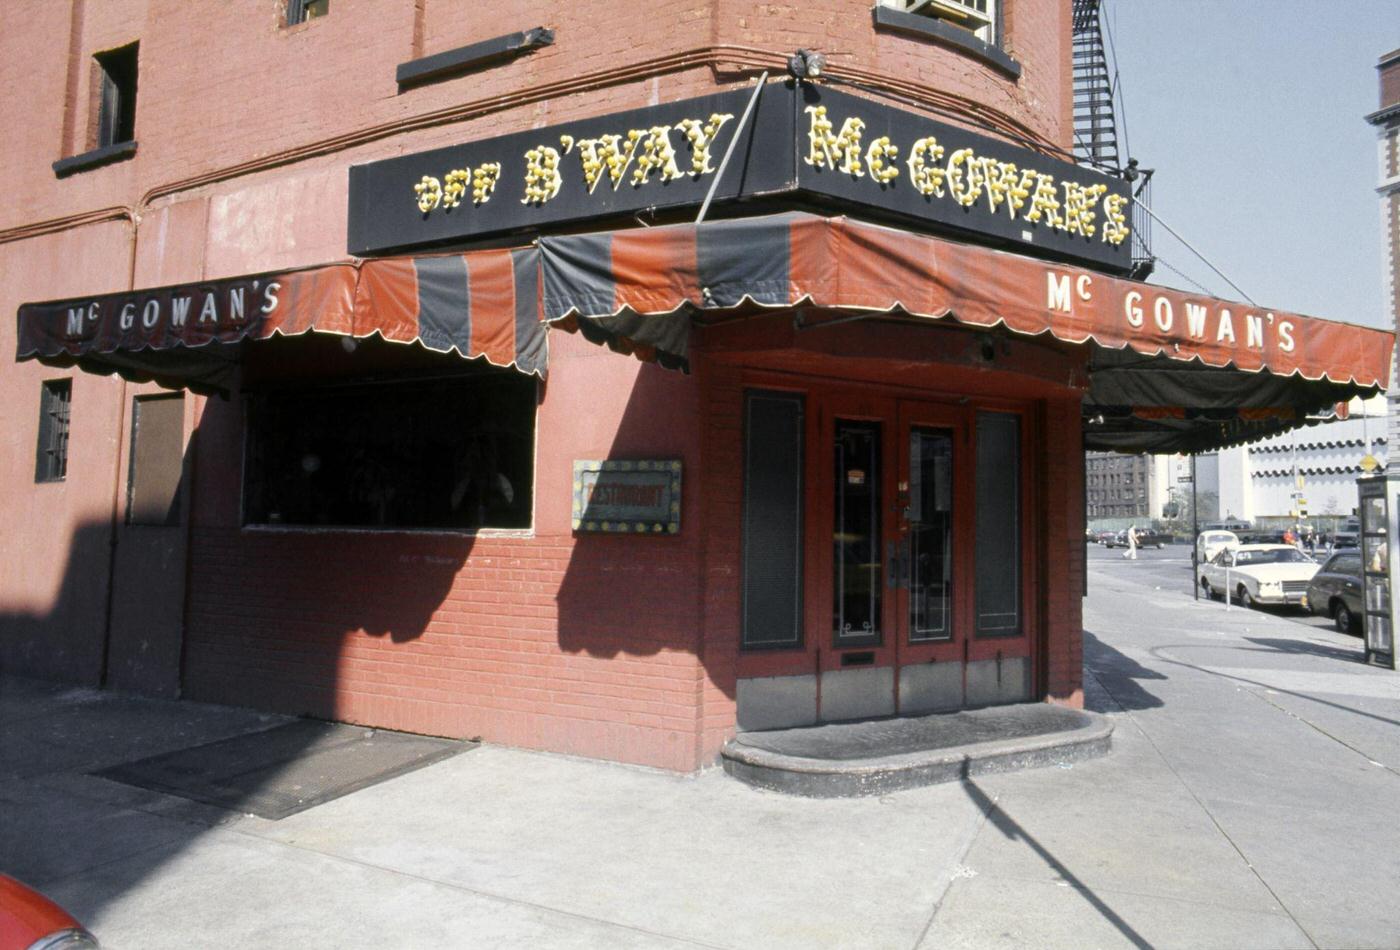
point(891, 19)
point(107, 155)
point(463, 58)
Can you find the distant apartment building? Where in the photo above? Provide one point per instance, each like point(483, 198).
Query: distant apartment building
point(1131, 486)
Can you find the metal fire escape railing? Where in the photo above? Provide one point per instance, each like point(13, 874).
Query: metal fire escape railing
point(1096, 125)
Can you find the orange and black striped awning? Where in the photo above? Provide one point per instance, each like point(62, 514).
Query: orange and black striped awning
point(483, 304)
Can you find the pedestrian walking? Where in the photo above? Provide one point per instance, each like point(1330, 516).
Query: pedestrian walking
point(1131, 553)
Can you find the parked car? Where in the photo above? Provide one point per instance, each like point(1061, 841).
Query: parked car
point(1335, 590)
point(1259, 574)
point(1147, 538)
point(1211, 543)
point(30, 921)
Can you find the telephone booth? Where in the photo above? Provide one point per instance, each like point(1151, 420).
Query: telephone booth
point(1380, 509)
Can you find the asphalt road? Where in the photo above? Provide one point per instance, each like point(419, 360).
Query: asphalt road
point(1169, 570)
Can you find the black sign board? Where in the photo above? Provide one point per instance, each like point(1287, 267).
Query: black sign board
point(809, 143)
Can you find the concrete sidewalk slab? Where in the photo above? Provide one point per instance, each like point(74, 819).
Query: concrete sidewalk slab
point(1230, 814)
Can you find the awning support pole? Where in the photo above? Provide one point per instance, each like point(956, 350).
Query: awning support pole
point(733, 141)
point(1195, 535)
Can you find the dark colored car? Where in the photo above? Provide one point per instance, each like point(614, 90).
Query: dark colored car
point(1335, 590)
point(30, 921)
point(1147, 538)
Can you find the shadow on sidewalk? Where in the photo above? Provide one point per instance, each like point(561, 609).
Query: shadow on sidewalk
point(1009, 827)
point(1119, 674)
point(1308, 647)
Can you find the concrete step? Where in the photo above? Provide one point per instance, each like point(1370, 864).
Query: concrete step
point(872, 757)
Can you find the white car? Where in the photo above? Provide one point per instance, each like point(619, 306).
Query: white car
point(1211, 543)
point(1259, 574)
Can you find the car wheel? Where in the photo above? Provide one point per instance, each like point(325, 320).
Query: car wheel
point(1244, 598)
point(1342, 617)
point(1207, 589)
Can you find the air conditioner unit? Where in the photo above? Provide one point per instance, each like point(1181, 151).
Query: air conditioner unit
point(971, 14)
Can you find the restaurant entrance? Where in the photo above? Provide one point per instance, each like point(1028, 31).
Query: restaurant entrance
point(913, 570)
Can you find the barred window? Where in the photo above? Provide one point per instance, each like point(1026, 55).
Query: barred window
point(51, 457)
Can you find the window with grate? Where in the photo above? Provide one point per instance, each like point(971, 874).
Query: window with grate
point(116, 109)
point(51, 457)
point(299, 11)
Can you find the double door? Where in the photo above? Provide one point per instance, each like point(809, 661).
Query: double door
point(915, 589)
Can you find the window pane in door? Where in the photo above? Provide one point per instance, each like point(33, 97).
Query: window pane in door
point(856, 541)
point(930, 520)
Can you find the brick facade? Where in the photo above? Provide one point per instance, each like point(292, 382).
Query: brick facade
point(602, 646)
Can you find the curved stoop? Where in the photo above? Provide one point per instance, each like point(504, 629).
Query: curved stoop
point(852, 759)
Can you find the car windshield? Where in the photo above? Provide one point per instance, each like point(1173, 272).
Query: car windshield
point(1272, 556)
point(1217, 538)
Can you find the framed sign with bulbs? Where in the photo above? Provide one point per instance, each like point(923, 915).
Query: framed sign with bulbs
point(804, 144)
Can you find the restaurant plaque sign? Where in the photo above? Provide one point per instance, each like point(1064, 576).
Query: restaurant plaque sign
point(630, 497)
point(803, 144)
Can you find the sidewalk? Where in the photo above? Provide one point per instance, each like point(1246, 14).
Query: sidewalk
point(1250, 800)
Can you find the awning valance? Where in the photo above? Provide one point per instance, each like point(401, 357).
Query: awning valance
point(839, 263)
point(481, 304)
point(1169, 371)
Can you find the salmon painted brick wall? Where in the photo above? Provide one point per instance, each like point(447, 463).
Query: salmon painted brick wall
point(585, 644)
point(245, 130)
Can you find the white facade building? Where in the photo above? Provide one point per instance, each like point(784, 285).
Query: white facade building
point(1321, 461)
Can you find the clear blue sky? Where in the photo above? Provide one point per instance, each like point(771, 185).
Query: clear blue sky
point(1252, 113)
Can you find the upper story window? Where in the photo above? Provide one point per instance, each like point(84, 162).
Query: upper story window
point(299, 11)
point(116, 108)
point(976, 16)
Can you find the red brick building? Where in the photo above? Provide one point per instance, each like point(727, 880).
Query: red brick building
point(843, 455)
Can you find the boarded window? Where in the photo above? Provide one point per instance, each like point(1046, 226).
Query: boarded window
point(998, 524)
point(772, 555)
point(51, 456)
point(157, 460)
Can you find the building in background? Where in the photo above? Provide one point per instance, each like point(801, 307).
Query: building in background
point(1386, 119)
point(1136, 487)
point(1309, 473)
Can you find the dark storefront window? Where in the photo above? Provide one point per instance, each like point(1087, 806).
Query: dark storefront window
point(454, 453)
point(773, 497)
point(856, 558)
point(998, 524)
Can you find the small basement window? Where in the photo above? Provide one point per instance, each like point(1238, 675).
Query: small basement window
point(455, 453)
point(299, 11)
point(116, 109)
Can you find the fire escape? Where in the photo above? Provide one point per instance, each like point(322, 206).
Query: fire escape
point(1097, 127)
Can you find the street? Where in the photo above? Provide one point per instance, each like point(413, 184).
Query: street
point(1249, 801)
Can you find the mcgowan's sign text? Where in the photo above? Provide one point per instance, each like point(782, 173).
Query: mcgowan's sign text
point(849, 152)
